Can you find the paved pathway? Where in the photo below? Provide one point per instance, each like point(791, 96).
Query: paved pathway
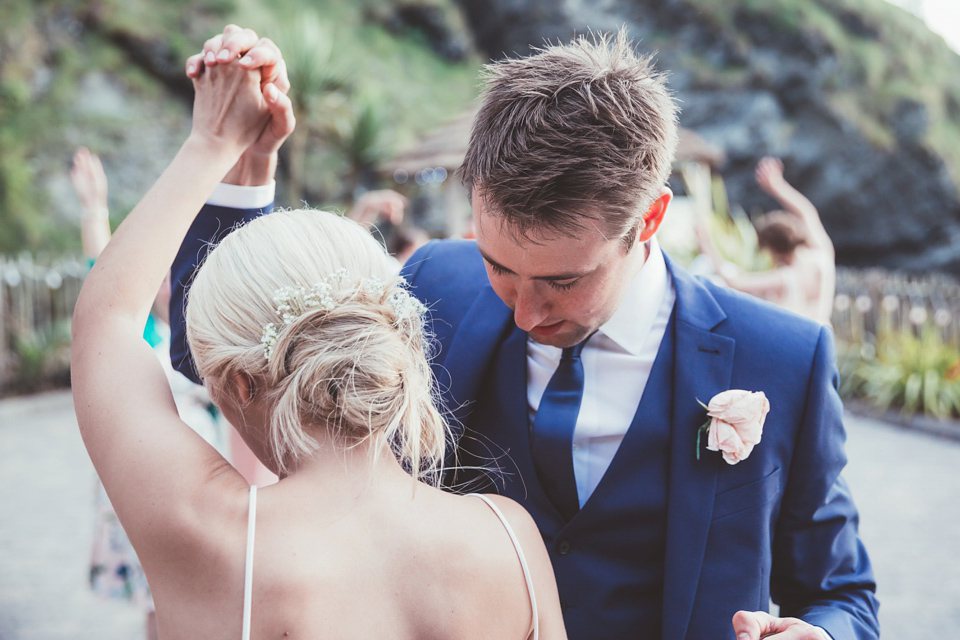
point(907, 487)
point(905, 483)
point(46, 529)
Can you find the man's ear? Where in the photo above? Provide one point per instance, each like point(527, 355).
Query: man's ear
point(654, 215)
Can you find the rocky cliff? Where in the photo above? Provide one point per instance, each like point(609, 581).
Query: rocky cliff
point(860, 100)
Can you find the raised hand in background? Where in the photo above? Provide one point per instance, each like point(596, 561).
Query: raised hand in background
point(90, 183)
point(383, 204)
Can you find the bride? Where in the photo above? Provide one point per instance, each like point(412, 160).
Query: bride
point(316, 353)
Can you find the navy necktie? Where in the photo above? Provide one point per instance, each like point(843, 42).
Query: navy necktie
point(552, 434)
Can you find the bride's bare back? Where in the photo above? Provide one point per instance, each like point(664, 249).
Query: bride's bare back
point(388, 563)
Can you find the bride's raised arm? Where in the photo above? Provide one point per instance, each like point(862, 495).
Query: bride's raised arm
point(149, 461)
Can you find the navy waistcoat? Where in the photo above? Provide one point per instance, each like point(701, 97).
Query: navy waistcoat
point(625, 517)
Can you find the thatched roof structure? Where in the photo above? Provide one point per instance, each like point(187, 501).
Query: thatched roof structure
point(446, 145)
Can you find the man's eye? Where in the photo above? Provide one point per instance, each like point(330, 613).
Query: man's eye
point(562, 285)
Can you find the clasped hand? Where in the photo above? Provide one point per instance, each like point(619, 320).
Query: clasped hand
point(240, 82)
point(753, 625)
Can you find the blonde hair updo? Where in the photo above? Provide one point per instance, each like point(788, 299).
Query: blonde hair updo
point(356, 365)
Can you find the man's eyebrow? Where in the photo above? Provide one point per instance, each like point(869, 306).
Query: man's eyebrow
point(561, 276)
point(496, 265)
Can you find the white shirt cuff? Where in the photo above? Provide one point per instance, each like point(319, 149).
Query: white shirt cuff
point(238, 197)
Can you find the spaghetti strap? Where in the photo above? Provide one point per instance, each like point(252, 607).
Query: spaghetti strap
point(523, 560)
point(248, 565)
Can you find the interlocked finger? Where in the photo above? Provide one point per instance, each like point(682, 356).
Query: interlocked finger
point(194, 65)
point(236, 43)
point(267, 57)
point(210, 49)
point(282, 82)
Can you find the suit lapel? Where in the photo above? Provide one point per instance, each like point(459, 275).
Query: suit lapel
point(703, 367)
point(475, 343)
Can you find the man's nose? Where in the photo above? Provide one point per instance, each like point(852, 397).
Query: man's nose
point(529, 308)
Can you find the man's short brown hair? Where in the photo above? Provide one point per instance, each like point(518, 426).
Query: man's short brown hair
point(578, 132)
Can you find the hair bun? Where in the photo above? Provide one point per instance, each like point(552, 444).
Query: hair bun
point(308, 305)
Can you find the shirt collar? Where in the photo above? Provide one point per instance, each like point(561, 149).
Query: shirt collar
point(641, 303)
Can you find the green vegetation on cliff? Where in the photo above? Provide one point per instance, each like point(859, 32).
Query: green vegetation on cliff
point(108, 74)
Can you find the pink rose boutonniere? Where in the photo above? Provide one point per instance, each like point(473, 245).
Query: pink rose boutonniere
point(735, 423)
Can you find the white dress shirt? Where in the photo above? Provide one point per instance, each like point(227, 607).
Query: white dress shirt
point(617, 361)
point(238, 197)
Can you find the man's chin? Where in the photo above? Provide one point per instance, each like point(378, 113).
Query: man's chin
point(560, 336)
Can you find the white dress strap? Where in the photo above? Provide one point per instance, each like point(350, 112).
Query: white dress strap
point(523, 561)
point(248, 566)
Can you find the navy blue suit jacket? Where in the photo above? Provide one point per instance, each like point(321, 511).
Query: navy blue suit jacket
point(781, 523)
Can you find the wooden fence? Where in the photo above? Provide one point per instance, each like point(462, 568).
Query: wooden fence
point(868, 300)
point(37, 297)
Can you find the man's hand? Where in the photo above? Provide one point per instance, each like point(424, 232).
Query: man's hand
point(258, 163)
point(754, 625)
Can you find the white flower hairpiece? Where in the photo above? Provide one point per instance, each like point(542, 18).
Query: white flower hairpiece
point(293, 302)
point(403, 303)
point(269, 339)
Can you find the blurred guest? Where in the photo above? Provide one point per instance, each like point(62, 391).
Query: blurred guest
point(404, 242)
point(804, 277)
point(382, 204)
point(90, 183)
point(389, 206)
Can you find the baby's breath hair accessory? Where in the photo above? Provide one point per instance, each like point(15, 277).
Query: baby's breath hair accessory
point(293, 302)
point(404, 304)
point(373, 286)
point(269, 339)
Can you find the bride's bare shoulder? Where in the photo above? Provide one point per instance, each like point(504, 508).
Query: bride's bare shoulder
point(473, 565)
point(536, 557)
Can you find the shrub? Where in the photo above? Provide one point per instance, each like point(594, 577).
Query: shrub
point(43, 358)
point(917, 373)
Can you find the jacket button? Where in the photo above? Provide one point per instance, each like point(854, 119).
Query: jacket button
point(564, 547)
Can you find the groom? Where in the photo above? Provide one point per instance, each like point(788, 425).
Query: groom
point(576, 355)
